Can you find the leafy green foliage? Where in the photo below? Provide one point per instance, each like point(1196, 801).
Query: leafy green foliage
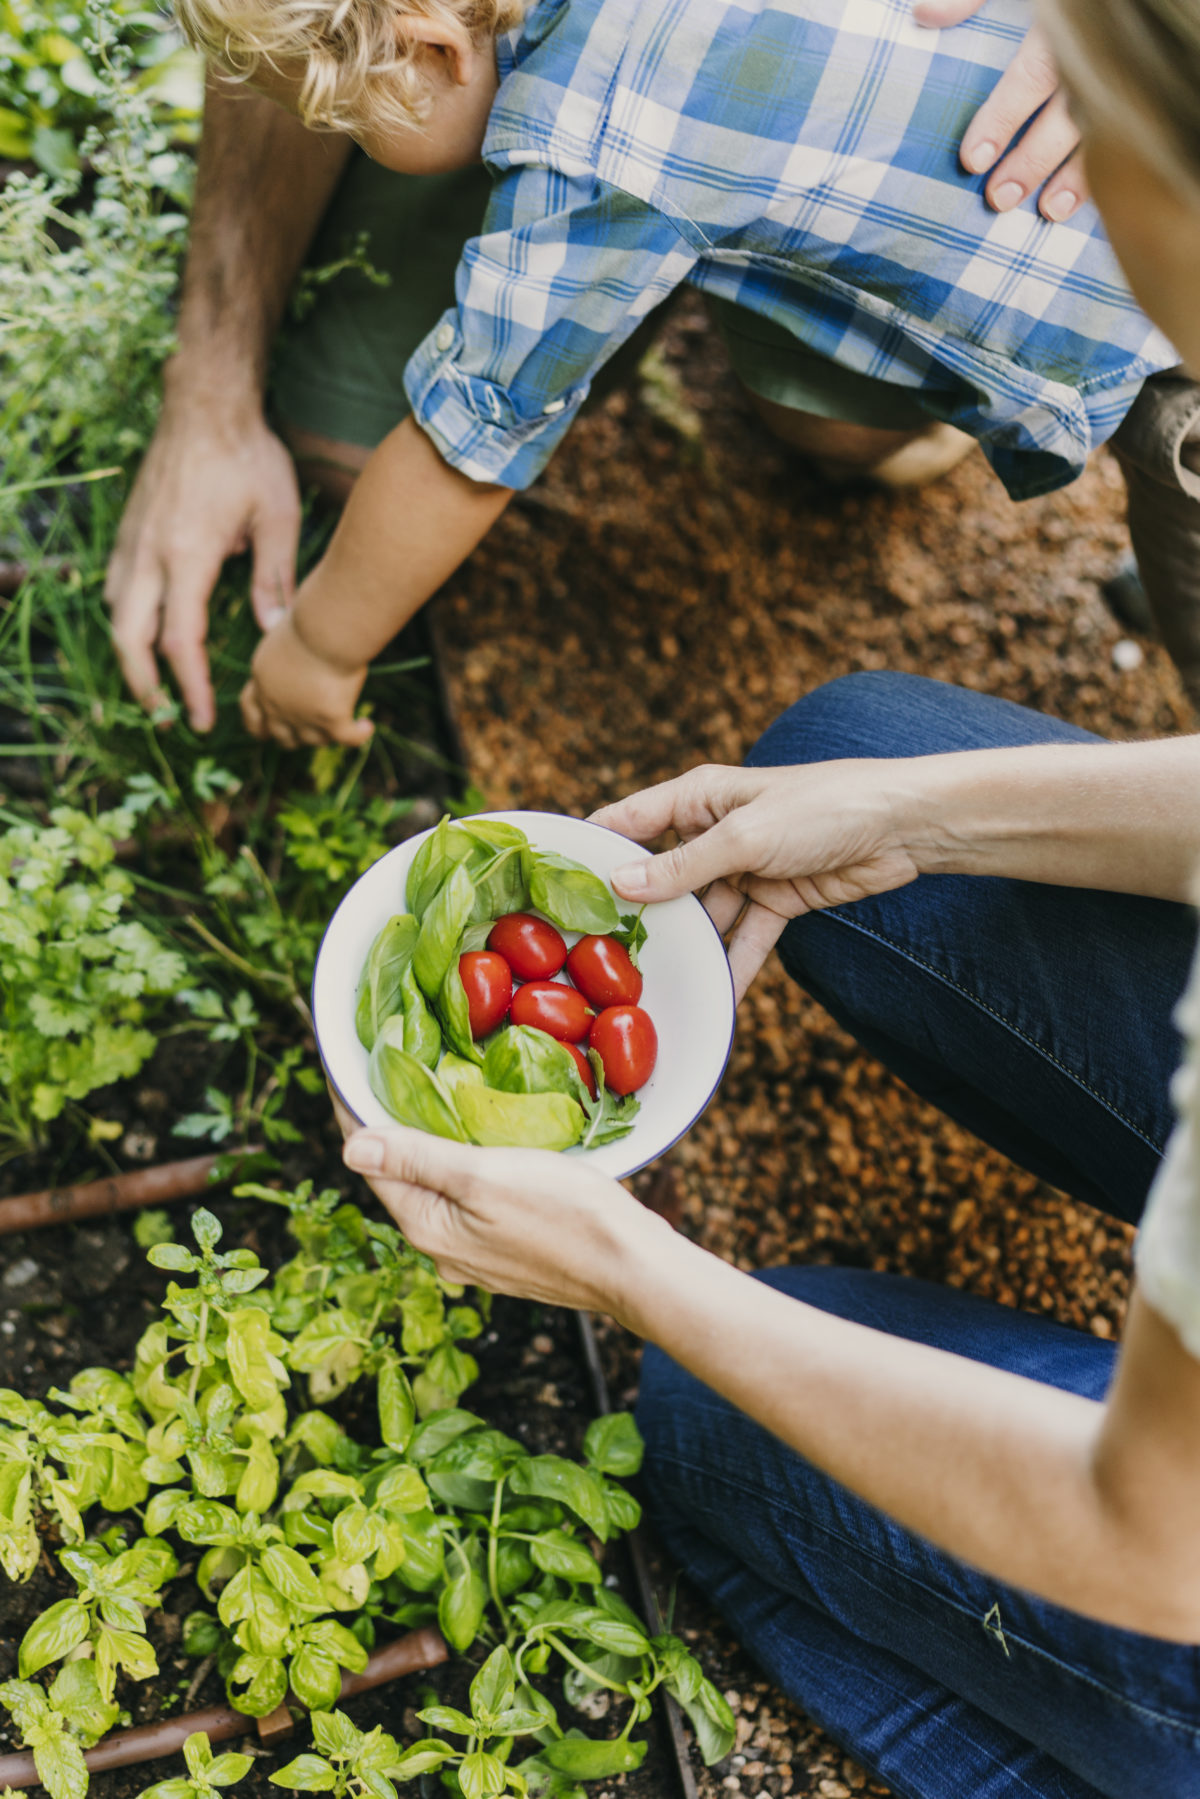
point(53, 79)
point(84, 287)
point(206, 1773)
point(306, 1542)
point(79, 978)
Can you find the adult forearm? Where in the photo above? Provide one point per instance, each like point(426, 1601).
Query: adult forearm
point(409, 523)
point(995, 1469)
point(1124, 817)
point(262, 183)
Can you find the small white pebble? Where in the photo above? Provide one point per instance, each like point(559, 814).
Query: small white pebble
point(21, 1272)
point(1127, 655)
point(9, 1328)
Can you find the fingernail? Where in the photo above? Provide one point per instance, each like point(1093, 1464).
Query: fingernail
point(633, 878)
point(364, 1153)
point(1008, 195)
point(273, 617)
point(1060, 206)
point(980, 158)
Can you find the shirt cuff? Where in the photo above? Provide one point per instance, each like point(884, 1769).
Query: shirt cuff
point(477, 426)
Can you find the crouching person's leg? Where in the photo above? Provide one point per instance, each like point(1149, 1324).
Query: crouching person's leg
point(1158, 448)
point(945, 1683)
point(851, 427)
point(1037, 1016)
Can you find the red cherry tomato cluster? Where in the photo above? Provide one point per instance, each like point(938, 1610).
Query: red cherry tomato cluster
point(601, 1005)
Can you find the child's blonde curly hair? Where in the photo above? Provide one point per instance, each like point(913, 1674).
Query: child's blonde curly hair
point(353, 65)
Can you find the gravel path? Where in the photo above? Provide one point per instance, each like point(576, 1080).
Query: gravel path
point(654, 603)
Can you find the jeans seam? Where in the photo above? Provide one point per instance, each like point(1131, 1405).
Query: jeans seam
point(863, 1550)
point(974, 999)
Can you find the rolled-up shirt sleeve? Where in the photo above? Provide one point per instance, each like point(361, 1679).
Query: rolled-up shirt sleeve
point(565, 269)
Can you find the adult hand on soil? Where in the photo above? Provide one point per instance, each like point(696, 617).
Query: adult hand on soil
point(296, 696)
point(765, 845)
point(521, 1221)
point(209, 486)
point(1027, 91)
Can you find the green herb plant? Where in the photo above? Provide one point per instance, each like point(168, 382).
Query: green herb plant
point(307, 1542)
point(79, 976)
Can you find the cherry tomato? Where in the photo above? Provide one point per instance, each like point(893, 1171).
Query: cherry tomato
point(532, 948)
point(554, 1008)
point(601, 969)
point(626, 1041)
point(487, 982)
point(584, 1067)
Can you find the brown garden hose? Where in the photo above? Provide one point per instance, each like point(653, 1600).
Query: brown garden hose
point(119, 1193)
point(407, 1655)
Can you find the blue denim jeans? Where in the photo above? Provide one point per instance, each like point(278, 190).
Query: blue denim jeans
point(1039, 1017)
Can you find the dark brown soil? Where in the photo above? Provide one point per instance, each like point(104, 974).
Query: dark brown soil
point(651, 606)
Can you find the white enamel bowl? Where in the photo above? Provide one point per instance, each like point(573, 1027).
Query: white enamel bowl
point(688, 990)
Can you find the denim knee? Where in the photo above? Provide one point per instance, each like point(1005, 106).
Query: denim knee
point(888, 713)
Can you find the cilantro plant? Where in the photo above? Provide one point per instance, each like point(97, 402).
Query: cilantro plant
point(307, 1543)
point(79, 977)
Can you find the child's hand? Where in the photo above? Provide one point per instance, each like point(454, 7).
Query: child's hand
point(295, 696)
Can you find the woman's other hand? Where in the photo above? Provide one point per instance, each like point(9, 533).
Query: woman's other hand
point(764, 845)
point(521, 1221)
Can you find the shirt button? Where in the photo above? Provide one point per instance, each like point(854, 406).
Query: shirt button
point(554, 406)
point(444, 336)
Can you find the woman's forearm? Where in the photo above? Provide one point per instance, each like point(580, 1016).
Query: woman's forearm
point(410, 520)
point(997, 1470)
point(1124, 817)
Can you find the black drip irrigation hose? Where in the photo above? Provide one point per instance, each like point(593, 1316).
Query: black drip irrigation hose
point(634, 1544)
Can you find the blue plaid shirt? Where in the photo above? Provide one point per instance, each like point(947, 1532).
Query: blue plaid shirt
point(797, 157)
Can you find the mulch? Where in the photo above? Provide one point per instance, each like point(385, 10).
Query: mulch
point(654, 603)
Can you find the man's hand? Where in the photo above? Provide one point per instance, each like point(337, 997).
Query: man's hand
point(1049, 150)
point(296, 696)
point(766, 845)
point(211, 484)
point(526, 1222)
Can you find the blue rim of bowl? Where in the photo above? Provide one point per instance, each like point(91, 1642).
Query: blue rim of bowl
point(499, 812)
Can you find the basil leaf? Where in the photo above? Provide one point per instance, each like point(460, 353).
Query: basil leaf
point(585, 1758)
point(553, 1477)
point(422, 1037)
point(379, 986)
point(556, 1552)
point(453, 1070)
point(307, 1774)
point(709, 1715)
point(433, 863)
point(397, 1408)
point(455, 1015)
point(494, 1685)
point(315, 1679)
point(613, 1444)
point(522, 1059)
point(500, 885)
point(53, 1635)
point(608, 1117)
point(460, 1613)
point(441, 928)
point(532, 1120)
point(424, 1554)
point(569, 894)
point(409, 1090)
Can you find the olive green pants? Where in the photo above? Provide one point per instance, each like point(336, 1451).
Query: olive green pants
point(340, 368)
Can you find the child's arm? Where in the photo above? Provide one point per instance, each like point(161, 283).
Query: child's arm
point(410, 521)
